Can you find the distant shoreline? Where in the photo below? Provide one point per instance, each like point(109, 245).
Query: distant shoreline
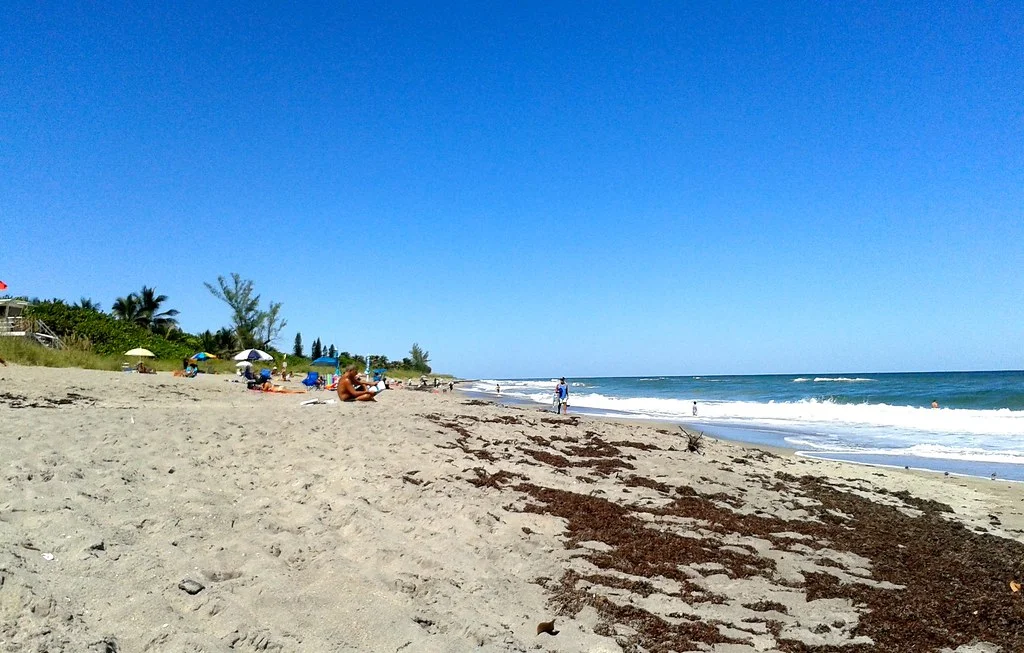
point(752, 437)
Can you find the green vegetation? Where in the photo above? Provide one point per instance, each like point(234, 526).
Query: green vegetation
point(28, 352)
point(97, 340)
point(413, 375)
point(254, 327)
point(143, 309)
point(106, 335)
point(222, 343)
point(420, 359)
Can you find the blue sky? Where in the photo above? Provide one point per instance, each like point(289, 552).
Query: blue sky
point(535, 189)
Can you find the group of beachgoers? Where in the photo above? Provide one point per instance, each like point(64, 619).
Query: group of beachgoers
point(349, 385)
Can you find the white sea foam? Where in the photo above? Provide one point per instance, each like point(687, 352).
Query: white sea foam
point(773, 413)
point(488, 385)
point(833, 379)
point(929, 451)
point(818, 425)
point(842, 379)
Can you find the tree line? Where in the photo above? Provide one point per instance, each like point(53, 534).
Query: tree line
point(418, 359)
point(142, 319)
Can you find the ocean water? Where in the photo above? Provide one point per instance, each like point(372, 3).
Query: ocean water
point(882, 419)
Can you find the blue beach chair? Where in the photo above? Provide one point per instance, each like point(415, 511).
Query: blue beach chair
point(311, 379)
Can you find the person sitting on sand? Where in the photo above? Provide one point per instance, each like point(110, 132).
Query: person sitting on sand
point(254, 382)
point(142, 369)
point(351, 388)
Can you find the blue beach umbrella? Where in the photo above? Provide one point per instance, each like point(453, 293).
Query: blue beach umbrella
point(326, 361)
point(202, 356)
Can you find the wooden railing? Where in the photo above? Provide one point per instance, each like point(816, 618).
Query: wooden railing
point(17, 323)
point(45, 335)
point(37, 329)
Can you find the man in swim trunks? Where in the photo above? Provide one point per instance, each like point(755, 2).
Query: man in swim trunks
point(350, 388)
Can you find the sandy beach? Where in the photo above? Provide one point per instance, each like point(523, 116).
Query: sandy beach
point(153, 513)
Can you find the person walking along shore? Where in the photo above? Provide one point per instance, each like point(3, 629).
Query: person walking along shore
point(562, 391)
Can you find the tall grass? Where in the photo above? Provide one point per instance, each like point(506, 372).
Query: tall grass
point(25, 351)
point(28, 352)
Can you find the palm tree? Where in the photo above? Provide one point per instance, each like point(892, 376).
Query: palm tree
point(225, 342)
point(127, 309)
point(144, 309)
point(150, 303)
point(89, 305)
point(208, 342)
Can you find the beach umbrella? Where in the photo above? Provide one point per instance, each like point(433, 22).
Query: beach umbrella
point(328, 361)
point(243, 364)
point(140, 352)
point(252, 355)
point(202, 356)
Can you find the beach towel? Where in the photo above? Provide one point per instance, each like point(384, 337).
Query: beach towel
point(282, 391)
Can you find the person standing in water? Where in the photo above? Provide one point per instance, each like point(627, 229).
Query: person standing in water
point(695, 409)
point(498, 388)
point(562, 390)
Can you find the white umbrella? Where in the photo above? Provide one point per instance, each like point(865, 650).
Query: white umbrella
point(243, 364)
point(252, 355)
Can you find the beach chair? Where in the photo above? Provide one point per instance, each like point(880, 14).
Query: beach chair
point(265, 374)
point(310, 380)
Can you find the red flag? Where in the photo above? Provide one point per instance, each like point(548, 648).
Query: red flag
point(3, 286)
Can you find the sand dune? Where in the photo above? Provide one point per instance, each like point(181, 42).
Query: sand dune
point(424, 522)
